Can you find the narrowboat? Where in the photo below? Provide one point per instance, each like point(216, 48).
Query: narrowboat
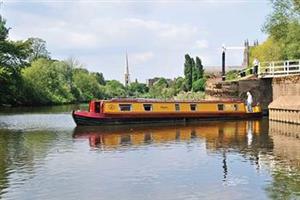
point(135, 111)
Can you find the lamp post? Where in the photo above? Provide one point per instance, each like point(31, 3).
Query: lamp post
point(223, 63)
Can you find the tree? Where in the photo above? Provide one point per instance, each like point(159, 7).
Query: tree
point(277, 21)
point(199, 67)
point(46, 82)
point(3, 29)
point(114, 88)
point(193, 71)
point(199, 85)
point(13, 56)
point(292, 41)
point(180, 84)
point(188, 70)
point(269, 50)
point(88, 86)
point(39, 50)
point(157, 90)
point(137, 89)
point(99, 77)
point(283, 26)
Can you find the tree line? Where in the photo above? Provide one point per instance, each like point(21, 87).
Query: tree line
point(283, 29)
point(29, 76)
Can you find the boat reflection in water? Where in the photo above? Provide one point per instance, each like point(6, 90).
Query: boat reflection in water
point(216, 134)
point(218, 137)
point(271, 149)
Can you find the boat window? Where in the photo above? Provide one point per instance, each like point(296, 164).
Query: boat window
point(125, 107)
point(148, 107)
point(193, 107)
point(125, 139)
point(235, 107)
point(177, 107)
point(97, 107)
point(220, 107)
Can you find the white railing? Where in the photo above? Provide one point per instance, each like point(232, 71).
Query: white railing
point(246, 72)
point(278, 68)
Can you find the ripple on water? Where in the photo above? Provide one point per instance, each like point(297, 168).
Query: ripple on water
point(30, 122)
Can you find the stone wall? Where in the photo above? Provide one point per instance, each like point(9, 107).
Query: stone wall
point(261, 90)
point(285, 108)
point(286, 99)
point(264, 92)
point(286, 86)
point(221, 89)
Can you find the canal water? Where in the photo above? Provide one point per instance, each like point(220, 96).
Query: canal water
point(44, 156)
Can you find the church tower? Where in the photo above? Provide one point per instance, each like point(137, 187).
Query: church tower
point(127, 78)
point(246, 54)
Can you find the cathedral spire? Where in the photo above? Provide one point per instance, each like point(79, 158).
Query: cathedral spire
point(127, 79)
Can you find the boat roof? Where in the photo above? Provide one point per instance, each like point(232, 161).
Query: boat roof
point(143, 100)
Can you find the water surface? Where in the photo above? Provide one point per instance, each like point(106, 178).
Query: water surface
point(44, 156)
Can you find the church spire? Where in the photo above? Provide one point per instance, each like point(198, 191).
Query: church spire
point(127, 79)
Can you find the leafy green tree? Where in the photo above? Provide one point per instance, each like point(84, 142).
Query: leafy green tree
point(199, 85)
point(157, 90)
point(292, 41)
point(193, 72)
point(46, 82)
point(99, 77)
point(283, 26)
point(137, 89)
point(277, 22)
point(180, 84)
point(114, 88)
point(162, 81)
point(3, 29)
point(199, 68)
point(39, 50)
point(269, 50)
point(87, 85)
point(188, 71)
point(13, 56)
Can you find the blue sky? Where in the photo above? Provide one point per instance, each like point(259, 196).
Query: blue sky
point(156, 34)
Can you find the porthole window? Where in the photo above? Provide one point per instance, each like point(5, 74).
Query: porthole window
point(193, 107)
point(220, 107)
point(177, 107)
point(125, 107)
point(148, 107)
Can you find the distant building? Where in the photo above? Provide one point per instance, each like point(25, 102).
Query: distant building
point(246, 54)
point(127, 75)
point(151, 81)
point(246, 60)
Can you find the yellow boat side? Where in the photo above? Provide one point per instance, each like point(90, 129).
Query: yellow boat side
point(168, 107)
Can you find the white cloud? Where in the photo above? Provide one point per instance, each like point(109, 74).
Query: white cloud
point(201, 44)
point(141, 57)
point(106, 32)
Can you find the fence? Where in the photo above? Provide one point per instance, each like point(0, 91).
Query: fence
point(278, 68)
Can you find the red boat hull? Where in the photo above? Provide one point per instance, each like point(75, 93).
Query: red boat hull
point(83, 118)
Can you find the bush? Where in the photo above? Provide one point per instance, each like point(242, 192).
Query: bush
point(199, 85)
